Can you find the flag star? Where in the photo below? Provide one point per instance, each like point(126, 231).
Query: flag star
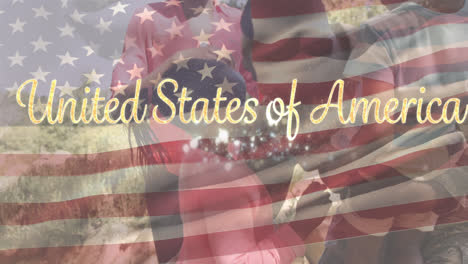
point(175, 30)
point(1, 12)
point(222, 25)
point(206, 71)
point(16, 60)
point(181, 62)
point(40, 107)
point(226, 86)
point(89, 50)
point(104, 26)
point(199, 10)
point(141, 103)
point(118, 8)
point(17, 26)
point(130, 42)
point(67, 30)
point(94, 46)
point(40, 44)
point(145, 15)
point(64, 3)
point(12, 90)
point(179, 94)
point(223, 53)
point(41, 12)
point(172, 3)
point(203, 38)
point(93, 77)
point(77, 17)
point(40, 75)
point(135, 73)
point(119, 89)
point(156, 49)
point(117, 61)
point(66, 89)
point(67, 59)
point(116, 58)
point(156, 81)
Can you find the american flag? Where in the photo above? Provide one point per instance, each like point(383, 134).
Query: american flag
point(214, 194)
point(371, 167)
point(78, 194)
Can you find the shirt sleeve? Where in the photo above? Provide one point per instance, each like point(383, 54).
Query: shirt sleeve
point(370, 58)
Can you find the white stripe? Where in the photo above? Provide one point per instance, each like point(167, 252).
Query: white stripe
point(133, 180)
point(92, 139)
point(314, 70)
point(325, 69)
point(43, 189)
point(394, 150)
point(364, 57)
point(74, 232)
point(46, 189)
point(316, 25)
point(457, 175)
point(270, 30)
point(137, 229)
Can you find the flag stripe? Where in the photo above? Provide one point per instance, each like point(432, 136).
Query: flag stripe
point(123, 205)
point(264, 8)
point(38, 239)
point(111, 161)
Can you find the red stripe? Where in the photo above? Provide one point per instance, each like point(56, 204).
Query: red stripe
point(134, 205)
point(339, 47)
point(281, 8)
point(127, 253)
point(265, 8)
point(84, 164)
point(199, 247)
point(318, 93)
point(311, 93)
point(301, 48)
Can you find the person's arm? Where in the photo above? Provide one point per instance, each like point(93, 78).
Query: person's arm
point(247, 69)
point(368, 73)
point(234, 210)
point(134, 53)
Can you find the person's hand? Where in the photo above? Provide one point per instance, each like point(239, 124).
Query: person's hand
point(313, 203)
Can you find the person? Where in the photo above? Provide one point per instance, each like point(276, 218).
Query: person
point(184, 30)
point(369, 166)
point(448, 243)
point(225, 208)
point(418, 176)
point(285, 41)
